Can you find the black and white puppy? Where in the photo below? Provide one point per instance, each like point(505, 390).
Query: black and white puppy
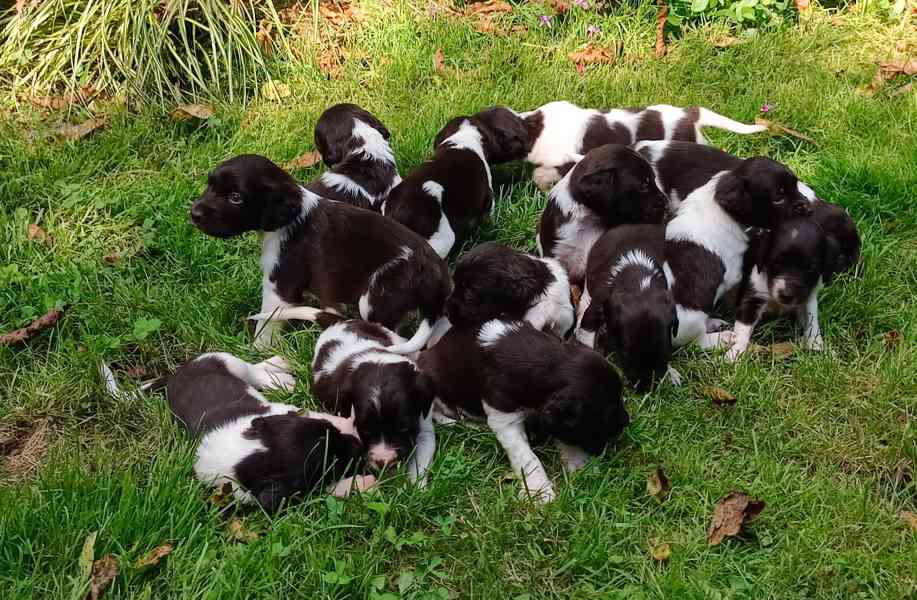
point(268, 452)
point(706, 240)
point(355, 373)
point(517, 378)
point(340, 253)
point(782, 273)
point(842, 238)
point(493, 281)
point(612, 185)
point(361, 166)
point(627, 297)
point(443, 198)
point(560, 131)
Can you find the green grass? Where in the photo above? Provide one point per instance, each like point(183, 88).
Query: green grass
point(825, 439)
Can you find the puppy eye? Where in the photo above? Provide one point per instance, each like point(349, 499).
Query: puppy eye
point(235, 198)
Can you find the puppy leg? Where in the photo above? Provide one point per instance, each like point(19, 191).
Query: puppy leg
point(258, 376)
point(747, 316)
point(266, 331)
point(572, 457)
point(346, 425)
point(692, 325)
point(344, 487)
point(510, 431)
point(808, 318)
point(720, 339)
point(442, 414)
point(423, 452)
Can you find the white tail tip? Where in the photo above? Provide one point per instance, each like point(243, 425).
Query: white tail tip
point(417, 342)
point(293, 313)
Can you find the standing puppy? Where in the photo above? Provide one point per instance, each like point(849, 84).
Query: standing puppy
point(559, 131)
point(493, 281)
point(612, 185)
point(388, 399)
point(338, 252)
point(354, 146)
point(627, 296)
point(707, 239)
point(782, 273)
point(266, 451)
point(517, 378)
point(444, 197)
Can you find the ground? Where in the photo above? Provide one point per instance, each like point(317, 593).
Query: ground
point(825, 439)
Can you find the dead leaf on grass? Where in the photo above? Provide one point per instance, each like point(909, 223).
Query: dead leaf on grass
point(899, 66)
point(87, 555)
point(778, 128)
point(778, 350)
point(37, 233)
point(559, 7)
point(26, 333)
point(157, 554)
point(891, 339)
point(726, 41)
point(82, 96)
point(25, 452)
point(104, 572)
point(136, 372)
point(186, 112)
point(76, 132)
point(661, 16)
point(303, 161)
point(485, 16)
point(330, 64)
point(662, 552)
point(718, 395)
point(239, 533)
point(222, 495)
point(275, 91)
point(488, 8)
point(909, 518)
point(593, 54)
point(657, 484)
point(438, 61)
point(731, 514)
point(341, 13)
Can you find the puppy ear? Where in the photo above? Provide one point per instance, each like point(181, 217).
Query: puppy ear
point(733, 195)
point(373, 122)
point(424, 392)
point(594, 185)
point(508, 135)
point(282, 202)
point(449, 129)
point(561, 411)
point(832, 264)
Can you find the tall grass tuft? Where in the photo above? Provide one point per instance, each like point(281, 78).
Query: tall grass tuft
point(164, 50)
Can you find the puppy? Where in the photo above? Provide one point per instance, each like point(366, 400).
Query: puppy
point(389, 400)
point(354, 146)
point(493, 281)
point(517, 378)
point(782, 273)
point(559, 131)
point(612, 185)
point(627, 295)
point(707, 238)
point(338, 252)
point(266, 451)
point(842, 238)
point(444, 197)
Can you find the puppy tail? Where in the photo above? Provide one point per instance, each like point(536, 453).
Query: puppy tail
point(708, 118)
point(115, 391)
point(325, 318)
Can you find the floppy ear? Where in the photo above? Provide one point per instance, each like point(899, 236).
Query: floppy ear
point(832, 256)
point(281, 203)
point(373, 122)
point(506, 134)
point(594, 185)
point(424, 392)
point(733, 195)
point(561, 411)
point(450, 128)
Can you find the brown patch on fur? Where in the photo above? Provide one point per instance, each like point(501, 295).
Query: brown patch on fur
point(23, 449)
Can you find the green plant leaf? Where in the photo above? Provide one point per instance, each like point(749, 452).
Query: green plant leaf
point(699, 6)
point(405, 581)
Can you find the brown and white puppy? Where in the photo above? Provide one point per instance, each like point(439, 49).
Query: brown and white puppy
point(627, 305)
point(268, 452)
point(493, 281)
point(560, 132)
point(612, 185)
point(707, 238)
point(388, 399)
point(782, 273)
point(342, 254)
point(443, 198)
point(354, 146)
point(519, 378)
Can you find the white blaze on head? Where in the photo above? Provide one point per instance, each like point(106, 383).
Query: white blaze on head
point(382, 455)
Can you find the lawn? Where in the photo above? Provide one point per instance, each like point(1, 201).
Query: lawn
point(825, 439)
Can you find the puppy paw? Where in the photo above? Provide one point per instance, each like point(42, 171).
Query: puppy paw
point(278, 380)
point(542, 495)
point(275, 364)
point(734, 353)
point(816, 343)
point(365, 483)
point(674, 376)
point(714, 325)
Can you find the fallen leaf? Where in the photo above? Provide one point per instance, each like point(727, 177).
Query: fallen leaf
point(26, 333)
point(341, 13)
point(559, 6)
point(222, 495)
point(157, 554)
point(24, 450)
point(581, 69)
point(186, 112)
point(661, 16)
point(87, 555)
point(657, 484)
point(781, 349)
point(904, 89)
point(718, 395)
point(726, 41)
point(488, 8)
point(329, 63)
point(263, 36)
point(900, 66)
point(83, 95)
point(104, 572)
point(594, 54)
point(731, 514)
point(275, 91)
point(113, 258)
point(909, 518)
point(76, 132)
point(891, 339)
point(484, 15)
point(438, 59)
point(239, 533)
point(304, 161)
point(37, 233)
point(662, 552)
point(778, 128)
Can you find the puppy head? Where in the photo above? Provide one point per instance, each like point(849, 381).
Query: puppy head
point(796, 258)
point(842, 238)
point(490, 282)
point(334, 137)
point(504, 133)
point(763, 193)
point(619, 185)
point(389, 401)
point(246, 193)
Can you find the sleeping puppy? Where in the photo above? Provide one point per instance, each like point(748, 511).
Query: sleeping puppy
point(612, 185)
point(519, 378)
point(559, 131)
point(782, 273)
point(627, 296)
point(340, 253)
point(389, 400)
point(493, 281)
point(445, 196)
point(268, 452)
point(354, 146)
point(707, 238)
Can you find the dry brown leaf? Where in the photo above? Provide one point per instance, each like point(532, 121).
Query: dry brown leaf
point(26, 451)
point(559, 7)
point(726, 41)
point(899, 66)
point(718, 395)
point(76, 132)
point(662, 552)
point(488, 8)
point(222, 495)
point(239, 533)
point(104, 572)
point(304, 161)
point(263, 36)
point(781, 349)
point(186, 112)
point(657, 484)
point(157, 554)
point(26, 333)
point(891, 339)
point(910, 518)
point(778, 128)
point(37, 233)
point(594, 54)
point(82, 96)
point(136, 372)
point(329, 63)
point(484, 16)
point(113, 258)
point(275, 91)
point(731, 514)
point(438, 60)
point(661, 15)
